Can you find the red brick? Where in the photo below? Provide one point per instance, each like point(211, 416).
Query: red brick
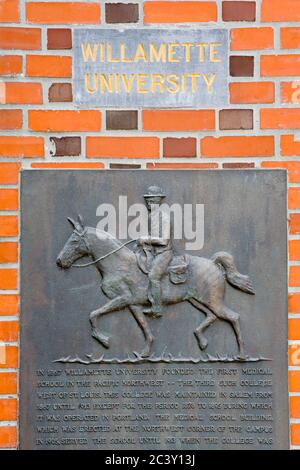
point(10, 64)
point(294, 324)
point(294, 198)
point(9, 199)
point(179, 147)
point(241, 66)
point(295, 407)
point(238, 11)
point(48, 66)
point(15, 146)
point(9, 304)
point(121, 13)
point(8, 437)
point(238, 165)
point(9, 11)
point(179, 12)
point(60, 93)
point(279, 10)
point(8, 409)
point(181, 120)
point(294, 354)
point(280, 118)
point(8, 226)
point(244, 39)
point(20, 38)
point(252, 92)
point(59, 38)
point(21, 93)
point(10, 118)
point(130, 147)
point(63, 12)
point(68, 121)
point(280, 65)
point(294, 250)
point(235, 119)
point(237, 146)
point(8, 383)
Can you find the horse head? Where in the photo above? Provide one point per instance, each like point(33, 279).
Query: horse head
point(75, 247)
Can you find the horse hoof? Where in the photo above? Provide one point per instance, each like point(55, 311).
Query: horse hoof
point(102, 339)
point(145, 353)
point(202, 342)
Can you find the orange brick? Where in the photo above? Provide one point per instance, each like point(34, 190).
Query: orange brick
point(9, 356)
point(8, 199)
point(295, 434)
point(8, 252)
point(252, 92)
point(9, 11)
point(15, 146)
point(10, 118)
point(179, 12)
point(289, 146)
point(280, 65)
point(21, 93)
point(9, 304)
point(8, 383)
point(237, 146)
point(48, 66)
point(178, 166)
point(72, 165)
point(63, 13)
point(8, 226)
point(294, 250)
point(290, 38)
point(8, 437)
point(293, 169)
point(294, 198)
point(294, 323)
point(294, 303)
point(64, 120)
point(244, 39)
point(294, 381)
point(9, 330)
point(20, 38)
point(8, 279)
point(295, 407)
point(8, 409)
point(294, 354)
point(182, 120)
point(131, 147)
point(288, 118)
point(290, 92)
point(10, 64)
point(279, 10)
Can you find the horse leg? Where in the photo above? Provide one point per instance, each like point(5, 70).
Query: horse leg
point(116, 304)
point(139, 316)
point(210, 318)
point(233, 318)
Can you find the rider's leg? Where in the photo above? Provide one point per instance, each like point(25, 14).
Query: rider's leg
point(159, 268)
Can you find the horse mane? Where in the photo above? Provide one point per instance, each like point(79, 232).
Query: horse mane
point(102, 235)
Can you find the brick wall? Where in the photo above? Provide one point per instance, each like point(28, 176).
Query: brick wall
point(41, 128)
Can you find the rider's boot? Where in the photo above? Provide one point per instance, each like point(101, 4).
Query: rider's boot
point(155, 298)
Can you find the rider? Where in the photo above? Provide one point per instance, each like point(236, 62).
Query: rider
point(159, 243)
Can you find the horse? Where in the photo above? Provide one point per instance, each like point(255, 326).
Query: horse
point(126, 285)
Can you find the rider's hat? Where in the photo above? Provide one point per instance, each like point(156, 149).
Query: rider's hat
point(154, 191)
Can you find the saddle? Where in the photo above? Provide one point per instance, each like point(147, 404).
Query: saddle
point(177, 269)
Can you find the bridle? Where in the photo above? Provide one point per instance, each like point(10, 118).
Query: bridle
point(82, 236)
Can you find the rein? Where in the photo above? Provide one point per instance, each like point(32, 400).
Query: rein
point(101, 257)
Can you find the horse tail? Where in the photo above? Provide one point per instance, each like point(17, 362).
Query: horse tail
point(236, 279)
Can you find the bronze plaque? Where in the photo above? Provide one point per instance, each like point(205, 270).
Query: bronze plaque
point(154, 310)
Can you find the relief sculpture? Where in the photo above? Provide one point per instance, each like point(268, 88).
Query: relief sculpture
point(151, 276)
